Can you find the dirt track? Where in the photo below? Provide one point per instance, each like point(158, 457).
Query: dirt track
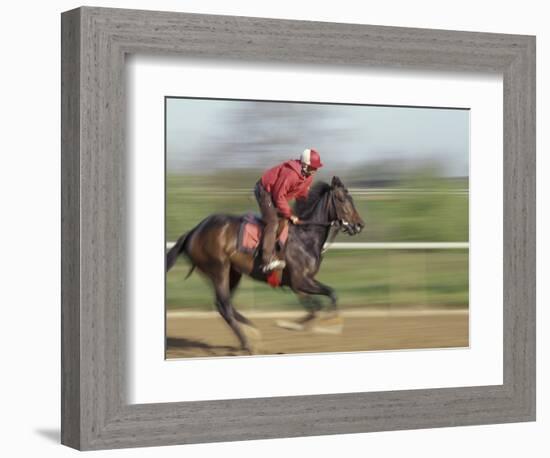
point(207, 335)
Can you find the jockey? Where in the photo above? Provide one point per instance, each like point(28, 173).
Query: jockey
point(288, 180)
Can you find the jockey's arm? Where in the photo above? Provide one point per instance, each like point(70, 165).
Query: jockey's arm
point(279, 194)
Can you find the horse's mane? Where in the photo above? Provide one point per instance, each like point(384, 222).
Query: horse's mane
point(304, 207)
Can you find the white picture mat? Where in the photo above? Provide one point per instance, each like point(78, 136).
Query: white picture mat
point(152, 379)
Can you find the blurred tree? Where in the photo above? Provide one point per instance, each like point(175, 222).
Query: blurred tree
point(260, 134)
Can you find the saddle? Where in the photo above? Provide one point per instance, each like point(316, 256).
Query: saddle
point(251, 231)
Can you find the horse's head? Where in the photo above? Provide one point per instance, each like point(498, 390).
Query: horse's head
point(346, 213)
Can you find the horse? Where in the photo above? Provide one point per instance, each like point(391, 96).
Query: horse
point(211, 247)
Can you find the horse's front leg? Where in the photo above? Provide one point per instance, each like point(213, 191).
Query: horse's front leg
point(332, 323)
point(333, 308)
point(312, 286)
point(306, 288)
point(312, 306)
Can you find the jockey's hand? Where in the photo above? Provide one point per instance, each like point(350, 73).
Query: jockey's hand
point(294, 219)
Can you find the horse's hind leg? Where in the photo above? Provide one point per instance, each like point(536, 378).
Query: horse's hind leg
point(234, 280)
point(224, 306)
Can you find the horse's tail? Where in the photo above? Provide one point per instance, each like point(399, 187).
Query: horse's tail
point(176, 250)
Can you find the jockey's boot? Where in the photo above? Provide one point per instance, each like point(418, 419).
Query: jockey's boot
point(274, 264)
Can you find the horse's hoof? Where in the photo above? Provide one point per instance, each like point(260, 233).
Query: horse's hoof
point(290, 325)
point(252, 332)
point(328, 329)
point(329, 326)
point(251, 350)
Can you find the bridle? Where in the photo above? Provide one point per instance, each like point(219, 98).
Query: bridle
point(339, 220)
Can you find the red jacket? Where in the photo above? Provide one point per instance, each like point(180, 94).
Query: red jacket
point(285, 182)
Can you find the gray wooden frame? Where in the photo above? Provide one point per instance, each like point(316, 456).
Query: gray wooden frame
point(95, 413)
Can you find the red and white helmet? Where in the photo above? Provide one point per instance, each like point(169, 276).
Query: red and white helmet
point(311, 157)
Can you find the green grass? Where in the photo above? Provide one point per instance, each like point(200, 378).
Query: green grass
point(361, 278)
point(390, 218)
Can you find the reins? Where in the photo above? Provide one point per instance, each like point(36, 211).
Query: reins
point(313, 223)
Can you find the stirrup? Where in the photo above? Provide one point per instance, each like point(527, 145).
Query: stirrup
point(273, 265)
